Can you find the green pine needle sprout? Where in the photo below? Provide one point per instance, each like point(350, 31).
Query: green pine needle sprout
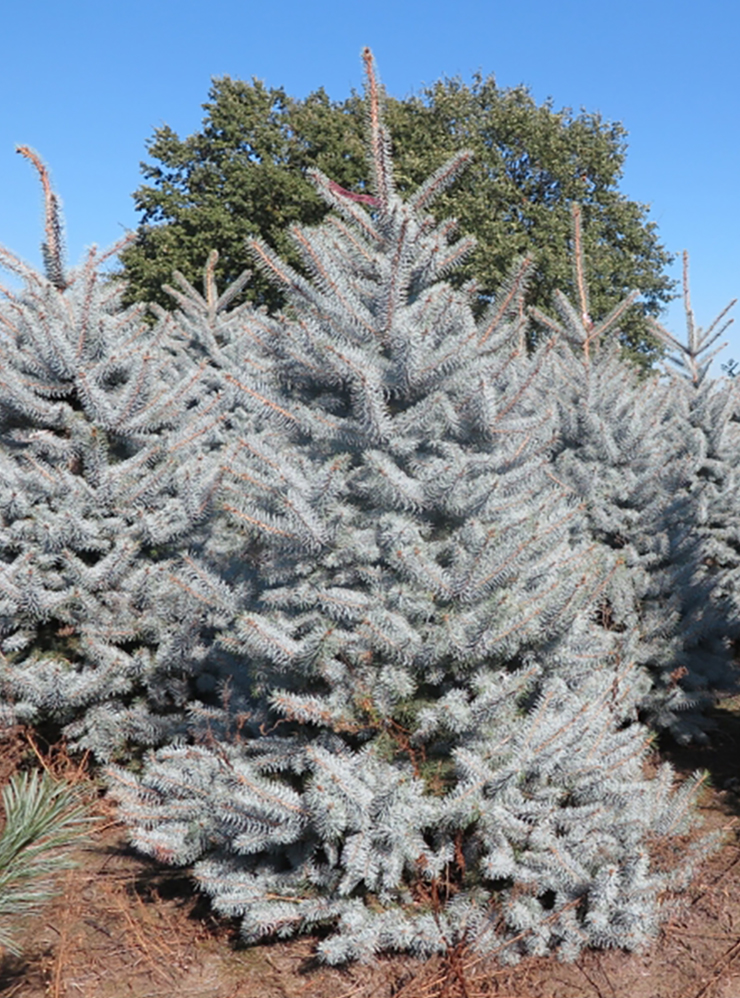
point(43, 818)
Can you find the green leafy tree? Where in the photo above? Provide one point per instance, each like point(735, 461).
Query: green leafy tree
point(244, 175)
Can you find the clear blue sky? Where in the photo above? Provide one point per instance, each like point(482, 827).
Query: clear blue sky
point(86, 83)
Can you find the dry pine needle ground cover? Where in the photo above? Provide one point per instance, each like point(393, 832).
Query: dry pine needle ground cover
point(124, 926)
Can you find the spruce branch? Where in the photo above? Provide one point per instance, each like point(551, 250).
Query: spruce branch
point(379, 141)
point(344, 205)
point(441, 179)
point(52, 249)
point(580, 279)
point(689, 355)
point(510, 298)
point(209, 280)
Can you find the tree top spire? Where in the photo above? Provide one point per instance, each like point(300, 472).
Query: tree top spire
point(51, 249)
point(379, 141)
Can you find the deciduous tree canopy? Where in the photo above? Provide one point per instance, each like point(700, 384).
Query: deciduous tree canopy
point(244, 173)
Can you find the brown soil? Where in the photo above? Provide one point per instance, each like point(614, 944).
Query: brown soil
point(124, 926)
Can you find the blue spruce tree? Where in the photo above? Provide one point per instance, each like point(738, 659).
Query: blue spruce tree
point(92, 487)
point(705, 416)
point(413, 727)
point(628, 449)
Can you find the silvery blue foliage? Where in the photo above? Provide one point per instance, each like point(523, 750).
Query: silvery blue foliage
point(625, 449)
point(429, 731)
point(91, 485)
point(705, 416)
point(398, 594)
point(554, 807)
